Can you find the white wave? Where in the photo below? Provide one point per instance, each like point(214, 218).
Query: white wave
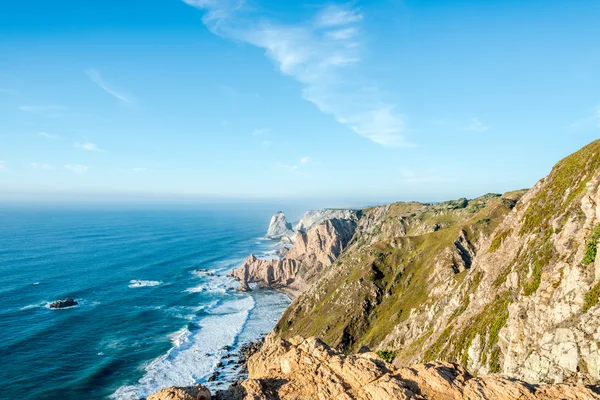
point(194, 354)
point(32, 306)
point(135, 283)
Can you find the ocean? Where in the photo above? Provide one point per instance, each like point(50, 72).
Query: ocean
point(155, 308)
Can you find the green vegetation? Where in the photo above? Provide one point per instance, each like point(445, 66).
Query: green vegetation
point(387, 355)
point(591, 247)
point(565, 183)
point(532, 285)
point(592, 297)
point(486, 324)
point(499, 239)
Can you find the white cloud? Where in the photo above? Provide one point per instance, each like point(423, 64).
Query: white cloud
point(49, 135)
point(139, 169)
point(476, 126)
point(592, 121)
point(337, 15)
point(295, 167)
point(323, 54)
point(258, 132)
point(286, 166)
point(76, 169)
point(89, 146)
point(40, 166)
point(97, 79)
point(51, 111)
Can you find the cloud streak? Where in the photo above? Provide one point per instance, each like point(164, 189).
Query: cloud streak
point(323, 53)
point(40, 166)
point(94, 75)
point(89, 146)
point(76, 169)
point(49, 136)
point(476, 126)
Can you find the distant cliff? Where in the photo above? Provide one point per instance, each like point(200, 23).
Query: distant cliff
point(319, 240)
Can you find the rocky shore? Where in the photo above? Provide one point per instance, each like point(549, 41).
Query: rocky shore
point(309, 369)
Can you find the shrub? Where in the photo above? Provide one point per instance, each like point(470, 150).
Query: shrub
point(592, 297)
point(591, 247)
point(387, 355)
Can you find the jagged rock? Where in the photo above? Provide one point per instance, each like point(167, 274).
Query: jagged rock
point(68, 302)
point(313, 250)
point(315, 217)
point(309, 369)
point(182, 393)
point(279, 227)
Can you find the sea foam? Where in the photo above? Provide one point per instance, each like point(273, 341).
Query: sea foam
point(194, 355)
point(135, 283)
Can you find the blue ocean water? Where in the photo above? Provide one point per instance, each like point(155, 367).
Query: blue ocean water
point(146, 317)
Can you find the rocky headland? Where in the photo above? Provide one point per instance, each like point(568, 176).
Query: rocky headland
point(506, 287)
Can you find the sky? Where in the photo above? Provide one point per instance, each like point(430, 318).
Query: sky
point(341, 102)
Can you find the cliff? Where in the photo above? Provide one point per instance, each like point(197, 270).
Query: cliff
point(313, 250)
point(506, 287)
point(309, 369)
point(279, 227)
point(500, 284)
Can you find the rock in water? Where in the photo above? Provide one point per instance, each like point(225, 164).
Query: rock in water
point(68, 302)
point(279, 227)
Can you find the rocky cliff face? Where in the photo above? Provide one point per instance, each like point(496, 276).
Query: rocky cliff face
point(498, 284)
point(309, 369)
point(313, 250)
point(279, 227)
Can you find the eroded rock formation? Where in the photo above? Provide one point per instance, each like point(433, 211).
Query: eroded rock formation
point(309, 369)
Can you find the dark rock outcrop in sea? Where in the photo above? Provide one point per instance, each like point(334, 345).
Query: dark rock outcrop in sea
point(66, 303)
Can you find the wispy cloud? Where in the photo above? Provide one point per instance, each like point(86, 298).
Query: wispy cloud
point(40, 166)
point(338, 15)
point(304, 161)
point(323, 53)
point(475, 125)
point(592, 121)
point(258, 132)
point(97, 79)
point(287, 167)
point(76, 169)
point(51, 111)
point(139, 169)
point(49, 135)
point(89, 146)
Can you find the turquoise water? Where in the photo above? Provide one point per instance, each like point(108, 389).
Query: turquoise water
point(146, 318)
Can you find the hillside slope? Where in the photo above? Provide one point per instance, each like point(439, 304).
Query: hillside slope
point(504, 284)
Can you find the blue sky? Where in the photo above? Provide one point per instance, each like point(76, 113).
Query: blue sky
point(345, 102)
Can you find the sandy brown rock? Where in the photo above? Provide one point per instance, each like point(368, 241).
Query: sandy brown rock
point(308, 369)
point(313, 250)
point(182, 393)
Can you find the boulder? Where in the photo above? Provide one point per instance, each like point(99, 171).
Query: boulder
point(68, 302)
